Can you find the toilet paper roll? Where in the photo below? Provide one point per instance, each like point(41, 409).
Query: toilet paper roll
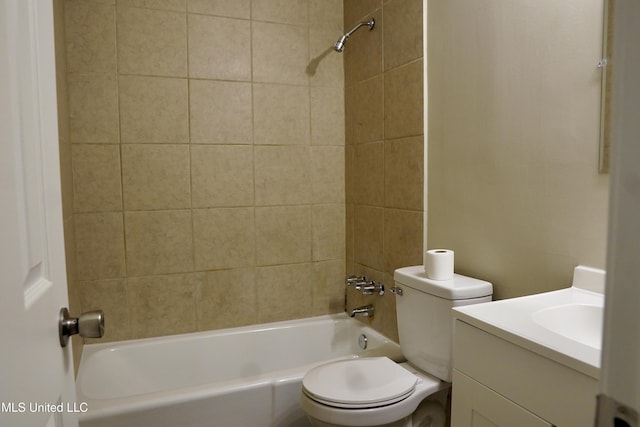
point(438, 264)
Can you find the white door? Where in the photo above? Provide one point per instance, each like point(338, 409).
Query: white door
point(36, 373)
point(619, 402)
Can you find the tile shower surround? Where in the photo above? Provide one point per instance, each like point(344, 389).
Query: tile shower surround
point(140, 117)
point(208, 165)
point(384, 147)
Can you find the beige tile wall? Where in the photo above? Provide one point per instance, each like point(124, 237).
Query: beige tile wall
point(384, 162)
point(208, 161)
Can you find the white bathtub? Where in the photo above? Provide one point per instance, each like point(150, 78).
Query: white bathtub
point(248, 376)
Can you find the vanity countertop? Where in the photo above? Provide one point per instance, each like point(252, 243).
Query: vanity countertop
point(564, 325)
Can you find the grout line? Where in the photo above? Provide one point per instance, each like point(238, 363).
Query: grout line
point(120, 149)
point(312, 184)
point(193, 231)
point(253, 144)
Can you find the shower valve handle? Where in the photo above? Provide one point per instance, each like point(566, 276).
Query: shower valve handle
point(355, 280)
point(373, 287)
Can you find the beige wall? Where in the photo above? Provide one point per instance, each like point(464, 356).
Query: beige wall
point(384, 134)
point(208, 161)
point(514, 96)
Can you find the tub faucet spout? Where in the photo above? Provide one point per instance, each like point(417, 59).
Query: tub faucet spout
point(365, 311)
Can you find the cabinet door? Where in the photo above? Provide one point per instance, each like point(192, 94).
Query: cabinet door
point(475, 405)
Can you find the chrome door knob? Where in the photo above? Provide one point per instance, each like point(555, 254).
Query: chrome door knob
point(88, 325)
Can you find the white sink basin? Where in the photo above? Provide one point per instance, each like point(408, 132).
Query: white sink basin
point(578, 322)
point(564, 325)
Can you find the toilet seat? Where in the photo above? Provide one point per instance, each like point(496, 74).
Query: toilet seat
point(359, 383)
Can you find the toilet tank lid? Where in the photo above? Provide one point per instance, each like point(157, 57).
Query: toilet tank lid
point(460, 287)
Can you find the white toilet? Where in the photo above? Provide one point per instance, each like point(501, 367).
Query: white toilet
point(379, 392)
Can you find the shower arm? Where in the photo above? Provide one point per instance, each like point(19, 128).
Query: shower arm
point(339, 45)
point(369, 23)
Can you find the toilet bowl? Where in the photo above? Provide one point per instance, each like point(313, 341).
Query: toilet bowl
point(376, 391)
point(372, 392)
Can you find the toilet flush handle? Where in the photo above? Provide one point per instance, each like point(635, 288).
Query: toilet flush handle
point(397, 290)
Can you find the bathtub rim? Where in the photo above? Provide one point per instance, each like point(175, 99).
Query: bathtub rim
point(121, 405)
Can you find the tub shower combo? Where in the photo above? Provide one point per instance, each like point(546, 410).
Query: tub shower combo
point(211, 378)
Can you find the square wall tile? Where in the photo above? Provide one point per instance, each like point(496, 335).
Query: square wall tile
point(328, 174)
point(349, 173)
point(328, 287)
point(100, 245)
point(163, 305)
point(404, 173)
point(350, 107)
point(326, 67)
point(219, 48)
point(176, 5)
point(156, 176)
point(64, 141)
point(369, 229)
point(350, 234)
point(326, 13)
point(220, 112)
point(402, 32)
point(280, 53)
point(70, 251)
point(224, 238)
point(282, 175)
point(294, 12)
point(327, 116)
point(224, 297)
point(403, 235)
point(328, 232)
point(93, 108)
point(152, 42)
point(363, 51)
point(283, 235)
point(284, 292)
point(154, 109)
point(358, 10)
point(369, 102)
point(281, 114)
point(90, 36)
point(403, 101)
point(158, 242)
point(110, 296)
point(96, 177)
point(230, 8)
point(368, 175)
point(221, 175)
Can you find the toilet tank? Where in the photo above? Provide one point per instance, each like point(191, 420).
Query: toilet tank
point(425, 323)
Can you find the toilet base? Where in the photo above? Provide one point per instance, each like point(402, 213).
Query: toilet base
point(430, 413)
point(399, 423)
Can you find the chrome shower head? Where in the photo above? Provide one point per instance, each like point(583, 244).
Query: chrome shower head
point(339, 45)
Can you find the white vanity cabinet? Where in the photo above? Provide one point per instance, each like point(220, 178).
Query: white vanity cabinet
point(479, 406)
point(500, 383)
